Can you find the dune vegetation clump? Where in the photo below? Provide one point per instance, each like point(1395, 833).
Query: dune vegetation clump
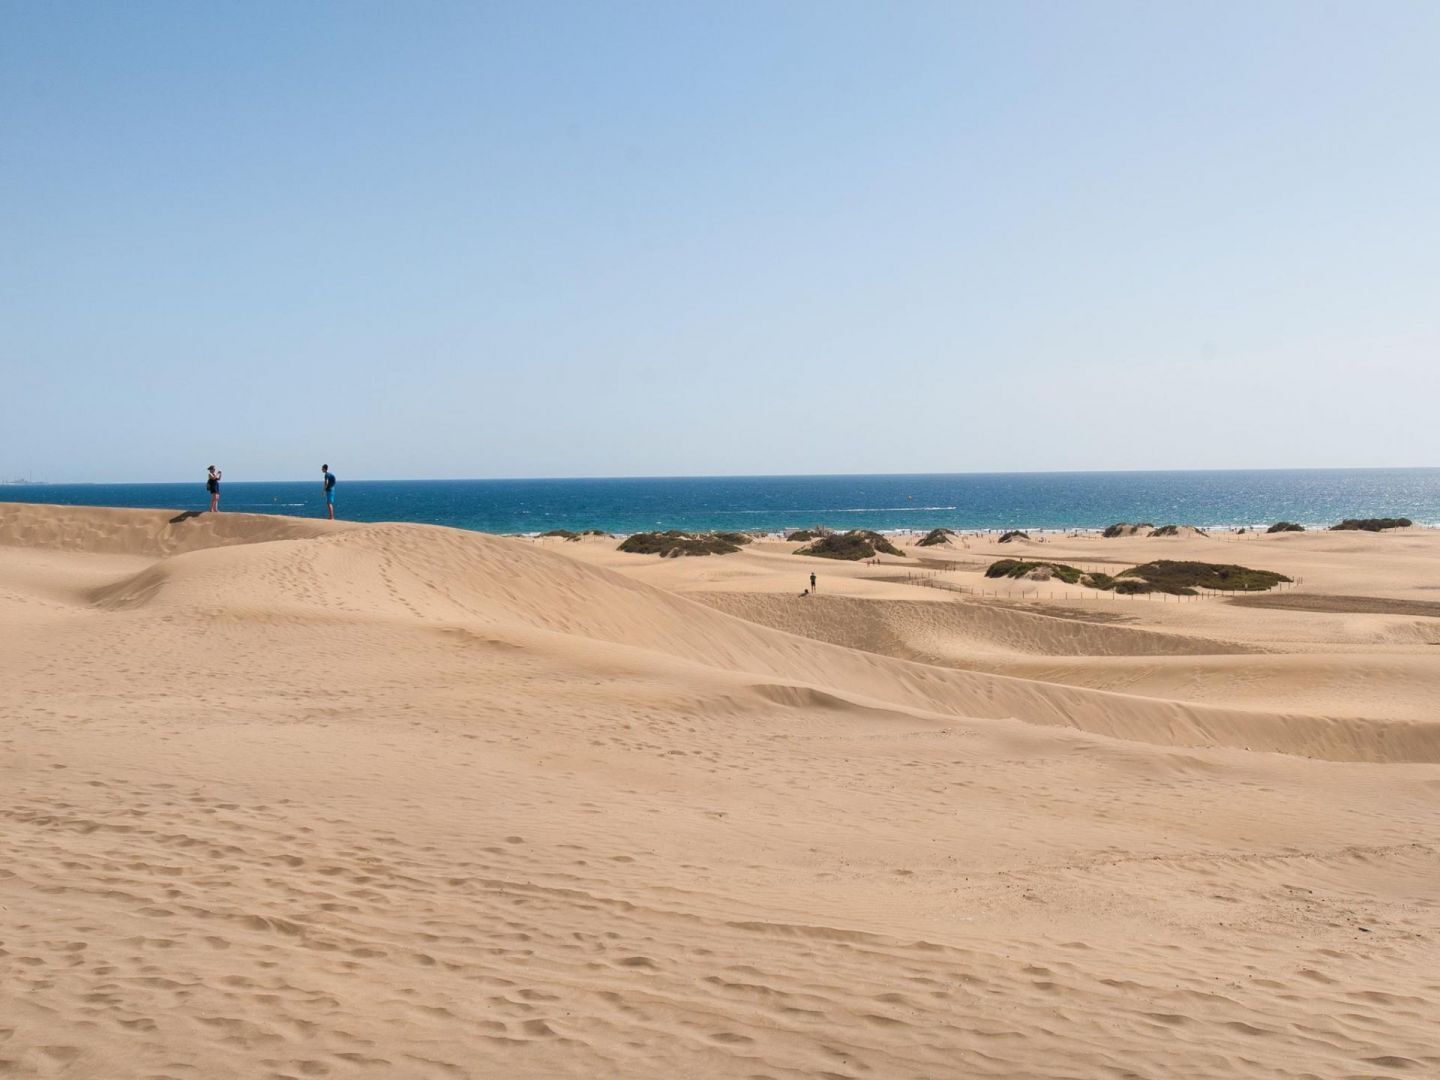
point(1373, 524)
point(593, 532)
point(1042, 571)
point(673, 544)
point(1124, 528)
point(854, 545)
point(1165, 575)
point(1014, 534)
point(1285, 526)
point(1179, 530)
point(1183, 578)
point(935, 537)
point(563, 534)
point(804, 536)
point(1130, 586)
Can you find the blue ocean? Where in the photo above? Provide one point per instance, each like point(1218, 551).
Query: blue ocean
point(1062, 500)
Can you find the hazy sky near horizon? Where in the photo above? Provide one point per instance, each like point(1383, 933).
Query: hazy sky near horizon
point(435, 239)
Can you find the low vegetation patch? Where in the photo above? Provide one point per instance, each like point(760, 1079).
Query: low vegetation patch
point(1175, 530)
point(593, 532)
point(935, 536)
point(1130, 586)
point(854, 545)
point(1124, 528)
point(1285, 526)
point(1014, 534)
point(1183, 578)
point(1043, 571)
point(804, 536)
point(564, 534)
point(1165, 575)
point(673, 544)
point(1373, 524)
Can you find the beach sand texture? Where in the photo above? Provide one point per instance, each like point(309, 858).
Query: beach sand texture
point(282, 798)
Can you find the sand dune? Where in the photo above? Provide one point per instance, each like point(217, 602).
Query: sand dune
point(287, 798)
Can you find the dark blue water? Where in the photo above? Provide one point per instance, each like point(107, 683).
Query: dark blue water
point(965, 501)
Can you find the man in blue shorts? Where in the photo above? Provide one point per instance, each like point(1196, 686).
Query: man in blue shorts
point(329, 478)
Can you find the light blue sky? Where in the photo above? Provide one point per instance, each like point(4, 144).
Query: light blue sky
point(531, 239)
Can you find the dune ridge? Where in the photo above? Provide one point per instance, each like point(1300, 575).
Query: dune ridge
point(469, 578)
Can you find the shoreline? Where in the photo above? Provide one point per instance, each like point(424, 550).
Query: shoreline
point(579, 525)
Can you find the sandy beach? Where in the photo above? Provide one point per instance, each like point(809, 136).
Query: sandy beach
point(288, 798)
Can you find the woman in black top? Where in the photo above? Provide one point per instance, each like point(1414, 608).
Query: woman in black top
point(212, 485)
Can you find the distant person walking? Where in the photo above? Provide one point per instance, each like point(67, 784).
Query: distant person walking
point(812, 581)
point(329, 480)
point(212, 485)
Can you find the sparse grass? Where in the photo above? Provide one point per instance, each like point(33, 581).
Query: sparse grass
point(853, 546)
point(934, 537)
point(1174, 530)
point(1285, 526)
point(673, 544)
point(1373, 524)
point(1014, 534)
point(1183, 578)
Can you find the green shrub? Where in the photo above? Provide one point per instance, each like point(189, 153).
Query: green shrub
point(854, 545)
point(1127, 586)
point(673, 543)
point(1374, 524)
point(935, 536)
point(1183, 578)
point(1286, 526)
point(1014, 534)
point(1124, 528)
point(1018, 568)
point(1165, 575)
point(562, 533)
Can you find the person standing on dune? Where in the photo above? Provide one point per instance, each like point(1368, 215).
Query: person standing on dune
point(328, 478)
point(812, 582)
point(212, 485)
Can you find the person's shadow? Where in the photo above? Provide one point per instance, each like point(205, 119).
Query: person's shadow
point(186, 516)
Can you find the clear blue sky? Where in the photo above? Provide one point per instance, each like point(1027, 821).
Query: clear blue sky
point(530, 239)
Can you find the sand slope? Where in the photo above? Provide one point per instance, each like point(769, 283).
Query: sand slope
point(282, 798)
